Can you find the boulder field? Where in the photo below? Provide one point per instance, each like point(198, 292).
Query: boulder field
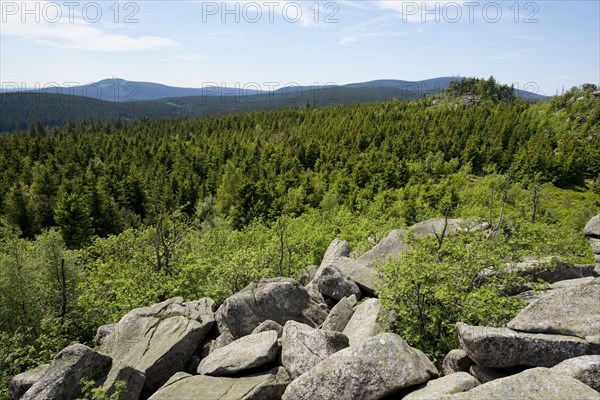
point(331, 339)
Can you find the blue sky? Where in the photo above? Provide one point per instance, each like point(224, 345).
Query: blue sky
point(540, 46)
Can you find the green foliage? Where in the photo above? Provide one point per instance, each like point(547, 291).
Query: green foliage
point(89, 391)
point(430, 289)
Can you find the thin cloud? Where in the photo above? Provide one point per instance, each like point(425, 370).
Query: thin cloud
point(81, 35)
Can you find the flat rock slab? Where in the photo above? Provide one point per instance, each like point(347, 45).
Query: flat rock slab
point(366, 321)
point(503, 348)
point(160, 340)
point(245, 353)
point(389, 248)
point(585, 369)
point(381, 366)
point(450, 384)
point(278, 299)
point(303, 347)
point(265, 386)
point(532, 384)
point(572, 311)
point(62, 379)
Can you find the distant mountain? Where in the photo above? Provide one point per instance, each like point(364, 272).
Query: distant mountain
point(116, 89)
point(53, 106)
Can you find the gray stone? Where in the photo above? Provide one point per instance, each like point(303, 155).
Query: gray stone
point(131, 377)
point(381, 366)
point(532, 384)
point(436, 225)
point(338, 248)
point(339, 316)
point(485, 374)
point(62, 379)
point(265, 386)
point(245, 353)
point(570, 283)
point(456, 361)
point(455, 383)
point(503, 348)
point(21, 383)
point(531, 296)
point(366, 278)
point(367, 322)
point(303, 347)
point(279, 300)
point(585, 369)
point(592, 228)
point(269, 325)
point(332, 283)
point(161, 339)
point(102, 333)
point(389, 248)
point(573, 311)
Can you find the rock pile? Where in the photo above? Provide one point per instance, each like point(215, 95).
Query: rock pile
point(278, 339)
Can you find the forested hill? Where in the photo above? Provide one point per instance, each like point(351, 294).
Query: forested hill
point(120, 172)
point(54, 106)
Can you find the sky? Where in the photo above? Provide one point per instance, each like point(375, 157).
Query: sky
point(540, 46)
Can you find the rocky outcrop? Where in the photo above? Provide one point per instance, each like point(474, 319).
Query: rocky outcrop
point(279, 300)
point(503, 348)
point(132, 378)
point(369, 319)
point(21, 383)
point(160, 340)
point(585, 369)
point(456, 361)
point(450, 384)
point(62, 379)
point(243, 354)
point(340, 314)
point(381, 366)
point(572, 311)
point(532, 384)
point(303, 347)
point(265, 386)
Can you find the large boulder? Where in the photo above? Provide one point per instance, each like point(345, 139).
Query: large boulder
point(339, 315)
point(572, 311)
point(268, 385)
point(436, 226)
point(102, 333)
point(381, 366)
point(366, 278)
point(303, 347)
point(450, 384)
point(243, 354)
point(532, 384)
point(503, 348)
point(456, 360)
point(131, 377)
point(161, 339)
point(62, 379)
point(333, 283)
point(21, 383)
point(279, 300)
point(389, 248)
point(592, 228)
point(337, 248)
point(369, 319)
point(585, 369)
point(548, 269)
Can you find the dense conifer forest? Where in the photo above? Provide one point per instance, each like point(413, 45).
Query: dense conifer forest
point(100, 217)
